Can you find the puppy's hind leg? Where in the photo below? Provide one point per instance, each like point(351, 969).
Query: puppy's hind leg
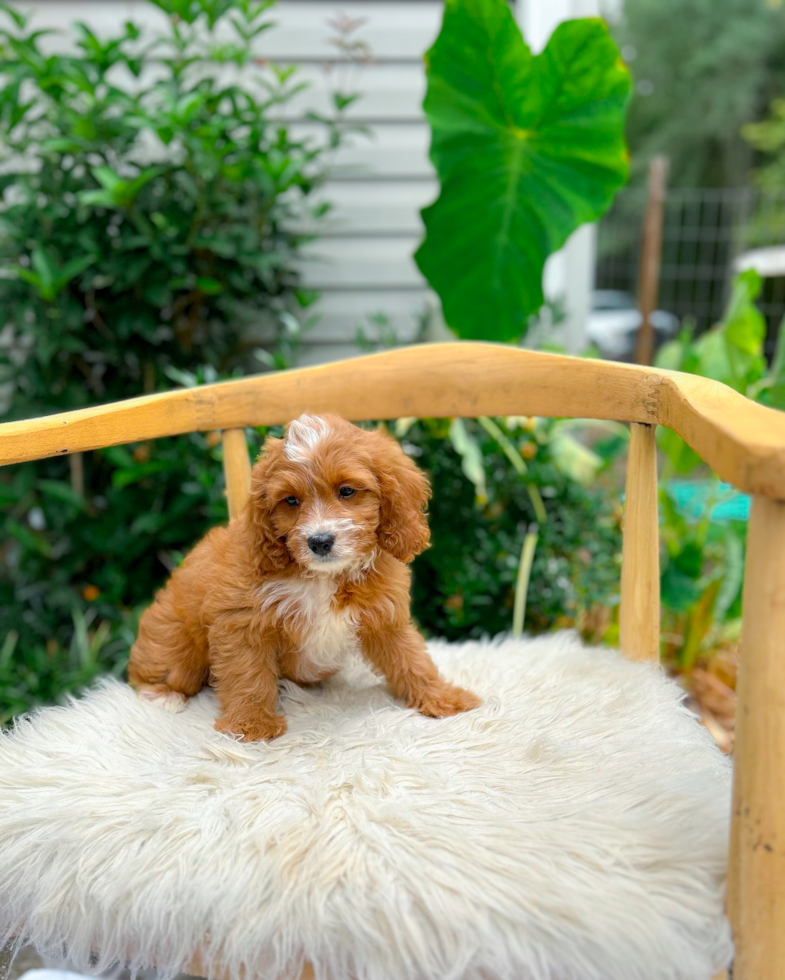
point(168, 663)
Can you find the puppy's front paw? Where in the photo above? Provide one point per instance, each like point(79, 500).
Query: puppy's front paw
point(262, 728)
point(446, 700)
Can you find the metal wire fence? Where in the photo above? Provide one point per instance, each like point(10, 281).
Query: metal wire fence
point(705, 231)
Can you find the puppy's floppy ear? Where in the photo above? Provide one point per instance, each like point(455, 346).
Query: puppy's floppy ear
point(403, 530)
point(268, 550)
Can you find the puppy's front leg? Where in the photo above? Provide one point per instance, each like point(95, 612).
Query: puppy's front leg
point(400, 654)
point(244, 672)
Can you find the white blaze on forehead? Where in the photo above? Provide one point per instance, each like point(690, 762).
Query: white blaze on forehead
point(302, 437)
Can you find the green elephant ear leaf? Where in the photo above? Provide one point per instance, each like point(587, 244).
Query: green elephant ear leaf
point(527, 149)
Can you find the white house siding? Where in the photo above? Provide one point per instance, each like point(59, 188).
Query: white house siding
point(363, 264)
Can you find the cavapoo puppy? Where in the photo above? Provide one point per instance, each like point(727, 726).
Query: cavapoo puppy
point(313, 567)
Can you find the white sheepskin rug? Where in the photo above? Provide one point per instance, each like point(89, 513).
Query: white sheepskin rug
point(573, 828)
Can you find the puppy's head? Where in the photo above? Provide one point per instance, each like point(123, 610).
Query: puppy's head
point(328, 495)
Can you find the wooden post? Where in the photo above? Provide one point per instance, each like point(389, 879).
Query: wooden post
point(639, 615)
point(237, 470)
point(651, 253)
point(756, 881)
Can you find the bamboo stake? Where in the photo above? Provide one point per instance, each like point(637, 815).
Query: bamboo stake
point(651, 254)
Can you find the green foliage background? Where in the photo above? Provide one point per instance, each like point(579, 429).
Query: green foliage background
point(464, 584)
point(701, 70)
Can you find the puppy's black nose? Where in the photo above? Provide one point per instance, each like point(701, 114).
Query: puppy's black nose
point(321, 544)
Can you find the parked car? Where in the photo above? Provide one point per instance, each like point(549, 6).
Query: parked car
point(613, 323)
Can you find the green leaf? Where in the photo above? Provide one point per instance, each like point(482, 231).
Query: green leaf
point(72, 268)
point(775, 394)
point(527, 149)
point(61, 144)
point(689, 560)
point(26, 276)
point(19, 19)
point(116, 192)
point(124, 478)
point(733, 577)
point(681, 458)
point(575, 460)
point(100, 199)
point(107, 178)
point(208, 285)
point(44, 267)
point(63, 492)
point(472, 464)
point(679, 591)
point(46, 277)
point(119, 456)
point(135, 185)
point(745, 326)
point(148, 523)
point(713, 357)
point(744, 330)
point(344, 101)
point(31, 540)
point(674, 354)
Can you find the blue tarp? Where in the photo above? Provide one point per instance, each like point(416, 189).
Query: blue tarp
point(692, 497)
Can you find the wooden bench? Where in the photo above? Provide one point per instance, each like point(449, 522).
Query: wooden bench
point(744, 443)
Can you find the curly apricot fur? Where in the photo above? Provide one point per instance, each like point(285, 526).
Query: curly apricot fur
point(253, 603)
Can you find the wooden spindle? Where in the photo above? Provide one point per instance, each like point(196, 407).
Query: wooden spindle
point(237, 470)
point(640, 574)
point(756, 880)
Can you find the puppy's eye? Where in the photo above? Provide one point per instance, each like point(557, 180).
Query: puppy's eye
point(347, 492)
point(292, 501)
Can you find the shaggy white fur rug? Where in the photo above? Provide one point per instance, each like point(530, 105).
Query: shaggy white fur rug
point(573, 828)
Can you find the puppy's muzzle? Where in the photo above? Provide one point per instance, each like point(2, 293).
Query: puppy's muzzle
point(321, 544)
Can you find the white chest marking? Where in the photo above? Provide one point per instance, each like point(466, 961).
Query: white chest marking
point(305, 605)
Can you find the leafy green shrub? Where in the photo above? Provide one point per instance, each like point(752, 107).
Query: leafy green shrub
point(96, 556)
point(151, 206)
point(464, 585)
point(150, 222)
